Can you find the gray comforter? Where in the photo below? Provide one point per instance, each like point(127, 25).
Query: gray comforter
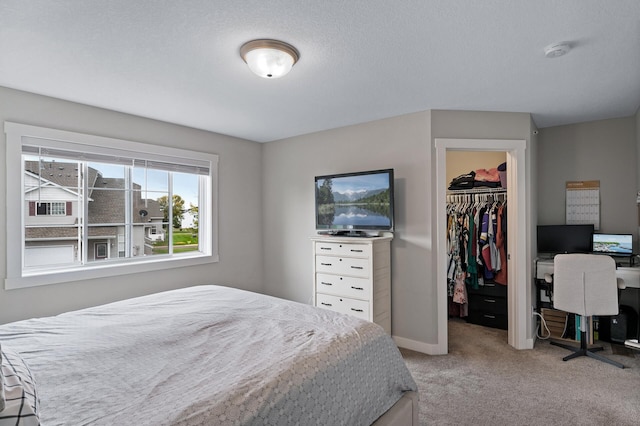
point(209, 355)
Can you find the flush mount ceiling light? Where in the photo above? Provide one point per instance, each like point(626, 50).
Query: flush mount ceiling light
point(556, 49)
point(269, 58)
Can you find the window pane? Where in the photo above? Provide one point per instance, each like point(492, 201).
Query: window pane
point(104, 170)
point(58, 209)
point(107, 205)
point(50, 189)
point(186, 192)
point(186, 187)
point(151, 180)
point(51, 246)
point(184, 240)
point(114, 240)
point(150, 213)
point(150, 210)
point(158, 243)
point(42, 209)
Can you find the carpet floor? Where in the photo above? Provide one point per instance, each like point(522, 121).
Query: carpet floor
point(484, 381)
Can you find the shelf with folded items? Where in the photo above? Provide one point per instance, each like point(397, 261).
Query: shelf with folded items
point(478, 190)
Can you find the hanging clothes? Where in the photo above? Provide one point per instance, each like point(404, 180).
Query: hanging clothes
point(501, 243)
point(476, 244)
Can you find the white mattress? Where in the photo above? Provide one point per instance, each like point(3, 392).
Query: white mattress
point(209, 355)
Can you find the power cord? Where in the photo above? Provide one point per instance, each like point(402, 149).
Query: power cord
point(543, 323)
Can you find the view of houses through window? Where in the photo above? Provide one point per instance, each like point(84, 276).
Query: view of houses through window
point(81, 206)
point(78, 212)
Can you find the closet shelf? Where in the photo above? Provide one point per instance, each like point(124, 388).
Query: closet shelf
point(486, 190)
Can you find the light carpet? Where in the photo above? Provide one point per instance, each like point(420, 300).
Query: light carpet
point(484, 381)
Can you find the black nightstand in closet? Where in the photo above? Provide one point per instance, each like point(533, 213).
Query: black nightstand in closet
point(488, 305)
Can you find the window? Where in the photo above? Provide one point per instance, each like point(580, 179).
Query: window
point(101, 207)
point(50, 209)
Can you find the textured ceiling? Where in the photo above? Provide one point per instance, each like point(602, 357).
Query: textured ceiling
point(361, 60)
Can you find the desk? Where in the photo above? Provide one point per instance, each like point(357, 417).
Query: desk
point(629, 275)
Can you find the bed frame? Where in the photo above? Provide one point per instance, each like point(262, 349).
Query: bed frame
point(402, 413)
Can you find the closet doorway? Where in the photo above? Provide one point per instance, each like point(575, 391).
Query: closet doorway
point(477, 237)
point(514, 152)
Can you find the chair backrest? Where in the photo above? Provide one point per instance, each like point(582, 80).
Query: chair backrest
point(585, 284)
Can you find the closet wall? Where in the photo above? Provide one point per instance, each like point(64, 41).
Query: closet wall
point(460, 162)
point(484, 304)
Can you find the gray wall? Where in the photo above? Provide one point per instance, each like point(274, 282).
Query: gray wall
point(498, 125)
point(240, 240)
point(638, 149)
point(405, 143)
point(604, 150)
point(401, 143)
point(638, 170)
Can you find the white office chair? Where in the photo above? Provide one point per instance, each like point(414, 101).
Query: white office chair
point(586, 285)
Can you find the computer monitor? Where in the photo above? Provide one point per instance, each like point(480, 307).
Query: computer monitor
point(556, 239)
point(613, 244)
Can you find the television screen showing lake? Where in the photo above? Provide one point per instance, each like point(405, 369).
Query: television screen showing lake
point(359, 216)
point(361, 201)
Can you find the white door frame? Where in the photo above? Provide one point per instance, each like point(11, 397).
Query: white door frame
point(516, 230)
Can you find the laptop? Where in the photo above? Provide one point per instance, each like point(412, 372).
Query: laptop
point(613, 244)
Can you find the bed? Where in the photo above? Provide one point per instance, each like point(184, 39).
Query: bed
point(205, 355)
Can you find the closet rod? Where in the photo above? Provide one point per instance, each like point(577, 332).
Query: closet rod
point(477, 191)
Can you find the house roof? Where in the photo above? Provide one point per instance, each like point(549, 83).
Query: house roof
point(359, 60)
point(107, 204)
point(59, 173)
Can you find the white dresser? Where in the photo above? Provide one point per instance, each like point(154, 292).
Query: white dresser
point(353, 276)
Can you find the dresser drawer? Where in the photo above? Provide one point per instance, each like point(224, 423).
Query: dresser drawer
point(343, 249)
point(342, 265)
point(357, 288)
point(357, 308)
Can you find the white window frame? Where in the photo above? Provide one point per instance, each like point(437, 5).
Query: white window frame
point(50, 210)
point(17, 277)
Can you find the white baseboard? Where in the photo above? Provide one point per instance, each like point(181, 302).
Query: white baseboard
point(414, 345)
point(431, 349)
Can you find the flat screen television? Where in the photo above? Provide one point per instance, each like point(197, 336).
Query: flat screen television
point(357, 204)
point(556, 239)
point(613, 244)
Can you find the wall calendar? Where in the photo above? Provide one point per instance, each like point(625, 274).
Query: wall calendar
point(583, 203)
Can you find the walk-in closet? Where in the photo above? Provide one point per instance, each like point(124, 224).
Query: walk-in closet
point(477, 237)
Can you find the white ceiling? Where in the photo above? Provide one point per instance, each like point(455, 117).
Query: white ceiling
point(361, 60)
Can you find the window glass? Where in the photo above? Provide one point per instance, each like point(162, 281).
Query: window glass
point(87, 205)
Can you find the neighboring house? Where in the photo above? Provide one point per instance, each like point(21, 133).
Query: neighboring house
point(53, 214)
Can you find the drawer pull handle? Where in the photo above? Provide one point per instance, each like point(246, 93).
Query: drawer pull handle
point(326, 304)
point(357, 310)
point(357, 267)
point(325, 264)
point(490, 300)
point(357, 250)
point(357, 288)
point(325, 248)
point(322, 282)
point(489, 316)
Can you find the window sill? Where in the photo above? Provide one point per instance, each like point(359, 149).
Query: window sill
point(105, 270)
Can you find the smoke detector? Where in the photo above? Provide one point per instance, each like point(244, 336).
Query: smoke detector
point(556, 49)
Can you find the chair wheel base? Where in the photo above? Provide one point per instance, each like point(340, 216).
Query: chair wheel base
point(584, 351)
